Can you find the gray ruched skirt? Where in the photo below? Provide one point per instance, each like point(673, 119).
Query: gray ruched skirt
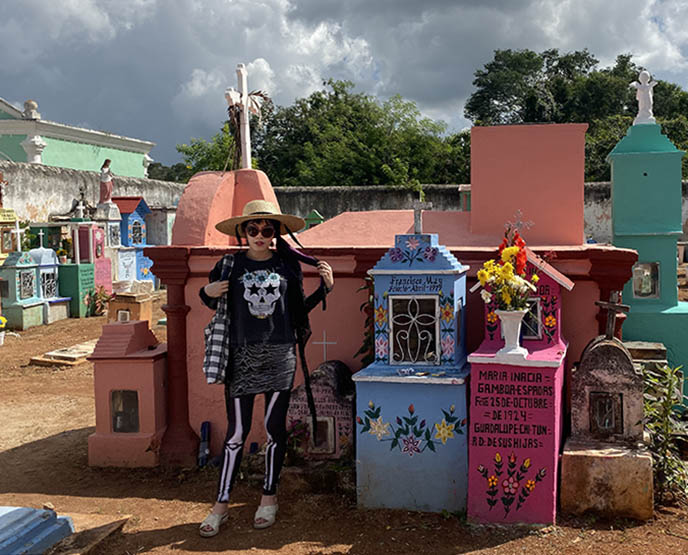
point(258, 368)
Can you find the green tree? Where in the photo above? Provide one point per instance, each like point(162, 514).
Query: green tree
point(523, 86)
point(339, 137)
point(201, 155)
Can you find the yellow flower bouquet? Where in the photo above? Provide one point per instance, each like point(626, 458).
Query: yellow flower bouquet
point(504, 280)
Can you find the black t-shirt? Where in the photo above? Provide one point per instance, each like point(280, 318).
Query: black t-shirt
point(258, 302)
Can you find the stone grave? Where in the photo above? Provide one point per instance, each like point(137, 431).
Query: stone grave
point(55, 307)
point(333, 394)
point(21, 304)
point(606, 467)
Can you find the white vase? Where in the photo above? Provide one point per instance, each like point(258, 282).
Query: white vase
point(511, 329)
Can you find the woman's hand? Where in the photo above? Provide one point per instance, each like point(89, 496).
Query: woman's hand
point(216, 288)
point(325, 271)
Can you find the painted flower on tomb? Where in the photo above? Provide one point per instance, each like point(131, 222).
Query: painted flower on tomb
point(412, 244)
point(381, 346)
point(145, 271)
point(378, 428)
point(381, 316)
point(430, 253)
point(3, 322)
point(396, 255)
point(447, 344)
point(447, 312)
point(410, 445)
point(444, 431)
point(510, 485)
point(512, 481)
point(410, 434)
point(550, 321)
point(492, 317)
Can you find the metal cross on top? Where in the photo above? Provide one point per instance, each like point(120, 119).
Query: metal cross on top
point(241, 98)
point(418, 207)
point(612, 307)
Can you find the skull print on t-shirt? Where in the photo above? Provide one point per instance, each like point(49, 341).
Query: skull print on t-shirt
point(261, 291)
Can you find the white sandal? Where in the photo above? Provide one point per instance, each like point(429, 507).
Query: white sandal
point(266, 513)
point(213, 521)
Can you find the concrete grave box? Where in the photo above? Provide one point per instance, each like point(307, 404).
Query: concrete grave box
point(77, 281)
point(134, 234)
point(21, 304)
point(516, 411)
point(131, 306)
point(411, 450)
point(55, 307)
point(130, 380)
point(92, 241)
point(334, 408)
point(606, 468)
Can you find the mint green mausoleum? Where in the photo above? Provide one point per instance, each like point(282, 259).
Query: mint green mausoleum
point(646, 216)
point(25, 137)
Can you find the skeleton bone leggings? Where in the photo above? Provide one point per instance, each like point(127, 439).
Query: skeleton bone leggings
point(239, 416)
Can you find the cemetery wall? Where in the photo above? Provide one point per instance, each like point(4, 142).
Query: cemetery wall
point(36, 192)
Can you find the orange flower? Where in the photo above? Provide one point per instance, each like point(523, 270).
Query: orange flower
point(550, 321)
point(491, 317)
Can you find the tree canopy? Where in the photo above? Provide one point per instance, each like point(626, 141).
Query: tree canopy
point(337, 136)
point(522, 86)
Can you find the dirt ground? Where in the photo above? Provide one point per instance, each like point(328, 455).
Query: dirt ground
point(48, 413)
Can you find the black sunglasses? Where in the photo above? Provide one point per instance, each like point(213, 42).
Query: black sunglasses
point(267, 232)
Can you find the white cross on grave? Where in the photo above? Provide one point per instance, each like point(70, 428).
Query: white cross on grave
point(40, 238)
point(324, 343)
point(418, 207)
point(241, 98)
point(17, 232)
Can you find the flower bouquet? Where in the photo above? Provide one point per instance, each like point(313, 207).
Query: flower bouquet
point(506, 285)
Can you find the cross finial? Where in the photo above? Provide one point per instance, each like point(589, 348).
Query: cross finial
point(418, 207)
point(612, 307)
point(18, 232)
point(241, 99)
point(518, 222)
point(40, 238)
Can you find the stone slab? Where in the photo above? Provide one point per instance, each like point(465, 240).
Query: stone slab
point(646, 350)
point(69, 356)
point(611, 480)
point(56, 311)
point(90, 531)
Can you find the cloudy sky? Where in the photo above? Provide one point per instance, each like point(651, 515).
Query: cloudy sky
point(157, 69)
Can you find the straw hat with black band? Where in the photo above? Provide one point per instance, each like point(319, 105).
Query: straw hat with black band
point(260, 210)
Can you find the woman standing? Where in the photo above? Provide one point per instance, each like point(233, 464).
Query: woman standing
point(261, 317)
point(105, 182)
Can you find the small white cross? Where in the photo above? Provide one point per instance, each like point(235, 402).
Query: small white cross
point(80, 210)
point(40, 238)
point(324, 343)
point(18, 234)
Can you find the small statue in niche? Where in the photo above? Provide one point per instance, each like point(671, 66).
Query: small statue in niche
point(644, 97)
point(105, 183)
